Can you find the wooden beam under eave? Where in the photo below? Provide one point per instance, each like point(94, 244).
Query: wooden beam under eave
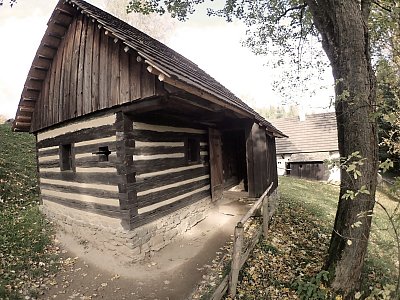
point(22, 124)
point(30, 94)
point(37, 73)
point(46, 51)
point(20, 118)
point(27, 108)
point(52, 41)
point(33, 84)
point(198, 92)
point(41, 63)
point(64, 11)
point(56, 29)
point(66, 8)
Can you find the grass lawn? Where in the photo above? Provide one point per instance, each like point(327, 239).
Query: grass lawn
point(299, 239)
point(26, 254)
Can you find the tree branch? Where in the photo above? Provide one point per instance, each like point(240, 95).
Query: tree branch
point(303, 6)
point(381, 6)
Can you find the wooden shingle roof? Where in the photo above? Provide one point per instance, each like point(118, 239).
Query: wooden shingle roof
point(317, 133)
point(170, 66)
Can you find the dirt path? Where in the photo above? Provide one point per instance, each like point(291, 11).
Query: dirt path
point(172, 273)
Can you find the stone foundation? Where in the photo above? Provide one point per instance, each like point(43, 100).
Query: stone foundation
point(105, 233)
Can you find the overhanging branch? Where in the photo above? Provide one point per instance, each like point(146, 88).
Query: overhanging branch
point(303, 6)
point(388, 9)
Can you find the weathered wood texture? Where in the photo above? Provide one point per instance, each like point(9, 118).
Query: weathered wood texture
point(93, 184)
point(261, 160)
point(126, 188)
point(164, 179)
point(90, 72)
point(216, 167)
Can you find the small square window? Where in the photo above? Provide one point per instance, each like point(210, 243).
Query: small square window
point(66, 158)
point(192, 150)
point(104, 152)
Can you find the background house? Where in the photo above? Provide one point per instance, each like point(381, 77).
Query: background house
point(134, 141)
point(312, 140)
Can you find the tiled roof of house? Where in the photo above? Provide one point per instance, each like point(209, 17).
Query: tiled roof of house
point(166, 61)
point(317, 133)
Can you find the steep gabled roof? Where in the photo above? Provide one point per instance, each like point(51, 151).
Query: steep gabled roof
point(169, 65)
point(317, 133)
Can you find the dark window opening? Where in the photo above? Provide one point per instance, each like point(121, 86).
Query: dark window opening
point(103, 153)
point(66, 158)
point(192, 151)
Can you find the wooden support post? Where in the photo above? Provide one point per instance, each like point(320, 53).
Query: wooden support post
point(236, 258)
point(265, 216)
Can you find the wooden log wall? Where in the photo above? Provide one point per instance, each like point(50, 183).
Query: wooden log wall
point(90, 71)
point(91, 185)
point(164, 180)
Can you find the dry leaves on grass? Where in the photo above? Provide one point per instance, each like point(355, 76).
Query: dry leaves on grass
point(296, 247)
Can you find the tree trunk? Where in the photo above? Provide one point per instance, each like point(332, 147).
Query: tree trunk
point(343, 27)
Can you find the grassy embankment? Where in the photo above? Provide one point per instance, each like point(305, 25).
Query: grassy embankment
point(26, 254)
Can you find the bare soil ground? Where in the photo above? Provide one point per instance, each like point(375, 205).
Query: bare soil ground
point(172, 273)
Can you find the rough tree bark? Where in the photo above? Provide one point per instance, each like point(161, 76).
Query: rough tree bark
point(343, 25)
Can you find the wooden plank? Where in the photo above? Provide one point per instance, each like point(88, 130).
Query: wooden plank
point(154, 136)
point(216, 168)
point(42, 63)
point(34, 84)
point(48, 152)
point(79, 136)
point(95, 69)
point(103, 70)
point(156, 150)
point(142, 167)
point(100, 193)
point(46, 51)
point(92, 177)
point(236, 255)
point(254, 240)
point(156, 197)
point(93, 161)
point(115, 75)
point(36, 73)
point(51, 41)
point(57, 103)
point(265, 212)
point(134, 77)
point(80, 78)
point(147, 84)
point(48, 102)
point(160, 180)
point(220, 291)
point(57, 29)
point(101, 209)
point(87, 77)
point(73, 88)
point(145, 218)
point(255, 206)
point(250, 162)
point(124, 76)
point(65, 94)
point(112, 147)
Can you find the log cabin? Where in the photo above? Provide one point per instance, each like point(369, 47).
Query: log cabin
point(134, 141)
point(311, 147)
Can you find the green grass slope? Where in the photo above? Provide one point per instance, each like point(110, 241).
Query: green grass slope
point(25, 236)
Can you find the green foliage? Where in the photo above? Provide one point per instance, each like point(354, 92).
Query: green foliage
point(313, 288)
point(24, 233)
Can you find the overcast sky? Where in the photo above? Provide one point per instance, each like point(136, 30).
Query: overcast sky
point(211, 43)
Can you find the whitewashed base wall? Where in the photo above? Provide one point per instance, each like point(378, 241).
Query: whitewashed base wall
point(134, 245)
